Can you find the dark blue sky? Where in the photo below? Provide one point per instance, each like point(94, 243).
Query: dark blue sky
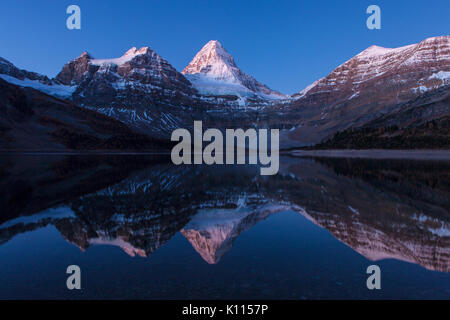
point(284, 44)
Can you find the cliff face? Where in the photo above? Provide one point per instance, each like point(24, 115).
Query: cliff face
point(137, 79)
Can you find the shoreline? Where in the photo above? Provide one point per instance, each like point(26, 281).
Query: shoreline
point(425, 154)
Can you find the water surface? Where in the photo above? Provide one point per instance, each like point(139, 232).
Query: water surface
point(142, 228)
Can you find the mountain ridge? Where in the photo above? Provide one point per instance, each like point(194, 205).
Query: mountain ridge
point(145, 92)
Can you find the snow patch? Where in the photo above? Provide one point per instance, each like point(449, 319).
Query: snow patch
point(444, 76)
point(57, 90)
point(128, 56)
point(53, 213)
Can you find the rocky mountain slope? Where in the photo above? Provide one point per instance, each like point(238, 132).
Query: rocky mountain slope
point(140, 89)
point(139, 78)
point(34, 121)
point(377, 82)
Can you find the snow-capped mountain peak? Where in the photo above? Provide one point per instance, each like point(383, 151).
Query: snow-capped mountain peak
point(407, 67)
point(128, 56)
point(214, 71)
point(214, 62)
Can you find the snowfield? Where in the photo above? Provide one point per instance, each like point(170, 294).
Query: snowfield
point(56, 90)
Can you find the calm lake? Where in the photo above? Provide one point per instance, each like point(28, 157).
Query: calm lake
point(140, 227)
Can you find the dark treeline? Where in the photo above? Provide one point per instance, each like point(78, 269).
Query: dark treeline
point(434, 134)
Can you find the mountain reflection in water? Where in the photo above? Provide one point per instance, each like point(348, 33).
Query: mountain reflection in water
point(381, 209)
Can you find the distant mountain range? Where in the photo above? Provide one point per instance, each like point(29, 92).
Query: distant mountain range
point(405, 87)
